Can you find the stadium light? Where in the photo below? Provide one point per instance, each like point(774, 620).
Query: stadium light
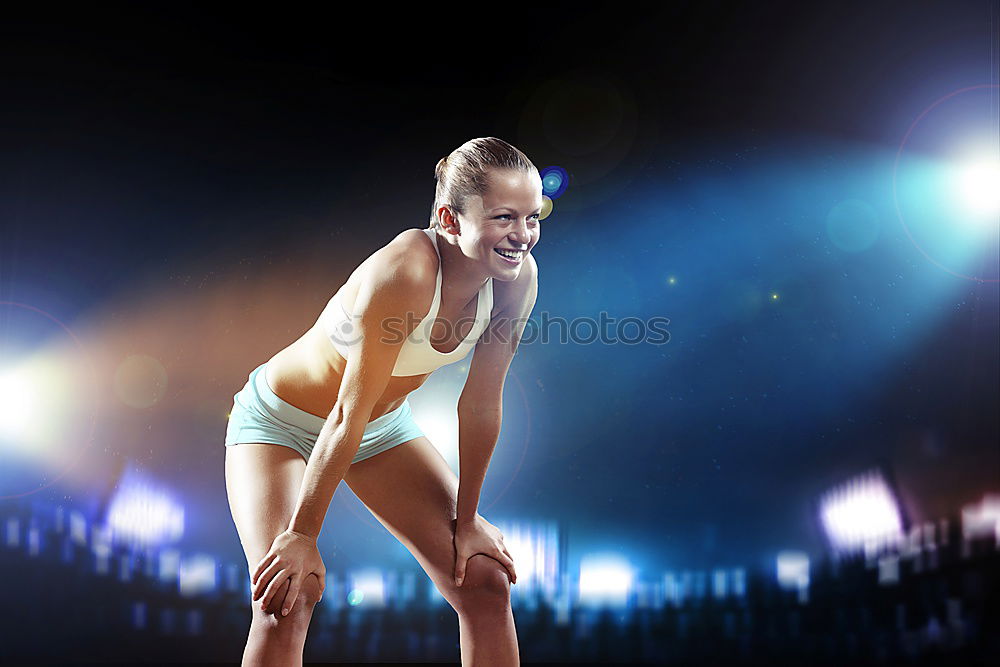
point(861, 515)
point(605, 579)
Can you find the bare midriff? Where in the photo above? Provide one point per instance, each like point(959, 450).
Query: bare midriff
point(308, 373)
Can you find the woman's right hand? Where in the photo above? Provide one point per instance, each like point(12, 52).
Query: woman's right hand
point(292, 556)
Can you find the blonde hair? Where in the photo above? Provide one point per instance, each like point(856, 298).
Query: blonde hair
point(464, 171)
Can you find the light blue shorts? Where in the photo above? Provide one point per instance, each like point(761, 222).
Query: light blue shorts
point(258, 415)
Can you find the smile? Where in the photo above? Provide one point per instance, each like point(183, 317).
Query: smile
point(510, 256)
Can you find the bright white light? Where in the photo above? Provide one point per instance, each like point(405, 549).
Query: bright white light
point(534, 546)
point(142, 514)
point(605, 579)
point(793, 569)
point(197, 575)
point(368, 587)
point(861, 515)
point(40, 408)
point(441, 430)
point(978, 186)
point(19, 404)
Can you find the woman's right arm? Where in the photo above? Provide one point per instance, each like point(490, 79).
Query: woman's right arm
point(395, 284)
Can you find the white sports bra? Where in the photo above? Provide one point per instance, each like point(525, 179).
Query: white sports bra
point(416, 357)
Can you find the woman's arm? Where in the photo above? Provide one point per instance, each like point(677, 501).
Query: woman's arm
point(390, 288)
point(480, 408)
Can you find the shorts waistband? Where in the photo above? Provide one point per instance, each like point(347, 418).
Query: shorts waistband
point(306, 420)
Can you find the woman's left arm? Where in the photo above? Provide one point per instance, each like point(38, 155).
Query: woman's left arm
point(480, 408)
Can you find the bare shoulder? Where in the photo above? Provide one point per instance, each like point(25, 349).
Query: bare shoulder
point(411, 246)
point(518, 295)
point(405, 269)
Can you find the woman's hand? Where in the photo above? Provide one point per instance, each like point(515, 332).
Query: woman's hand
point(480, 537)
point(292, 556)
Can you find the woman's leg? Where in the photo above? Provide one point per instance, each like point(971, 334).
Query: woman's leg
point(262, 482)
point(411, 490)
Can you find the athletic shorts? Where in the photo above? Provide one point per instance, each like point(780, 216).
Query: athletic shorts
point(258, 415)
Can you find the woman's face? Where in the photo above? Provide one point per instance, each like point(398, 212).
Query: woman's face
point(504, 219)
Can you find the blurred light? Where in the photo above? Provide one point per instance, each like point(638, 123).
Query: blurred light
point(197, 575)
point(978, 187)
point(861, 515)
point(367, 586)
point(37, 402)
point(169, 566)
point(738, 579)
point(793, 569)
point(140, 381)
point(554, 181)
point(140, 513)
point(534, 547)
point(34, 541)
point(441, 429)
point(546, 208)
point(605, 579)
point(888, 569)
point(719, 584)
point(669, 587)
point(18, 404)
point(13, 537)
point(77, 527)
point(982, 519)
point(101, 547)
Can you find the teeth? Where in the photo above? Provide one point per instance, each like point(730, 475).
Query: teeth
point(512, 254)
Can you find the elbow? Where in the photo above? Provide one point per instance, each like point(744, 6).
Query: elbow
point(346, 423)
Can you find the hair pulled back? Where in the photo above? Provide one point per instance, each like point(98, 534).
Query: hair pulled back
point(464, 171)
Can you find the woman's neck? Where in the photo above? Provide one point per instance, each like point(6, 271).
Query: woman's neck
point(461, 278)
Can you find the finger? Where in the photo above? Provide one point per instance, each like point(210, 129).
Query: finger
point(265, 578)
point(293, 592)
point(460, 570)
point(508, 562)
point(279, 598)
point(322, 586)
point(263, 563)
point(272, 589)
point(513, 569)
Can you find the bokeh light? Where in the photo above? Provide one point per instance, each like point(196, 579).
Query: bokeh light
point(554, 181)
point(852, 225)
point(140, 381)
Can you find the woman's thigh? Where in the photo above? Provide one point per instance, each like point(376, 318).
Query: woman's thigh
point(411, 490)
point(262, 482)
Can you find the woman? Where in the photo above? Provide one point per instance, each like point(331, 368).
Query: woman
point(336, 398)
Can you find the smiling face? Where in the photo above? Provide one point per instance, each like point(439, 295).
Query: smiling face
point(500, 228)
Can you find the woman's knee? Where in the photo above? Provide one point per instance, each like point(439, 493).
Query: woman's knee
point(309, 596)
point(486, 585)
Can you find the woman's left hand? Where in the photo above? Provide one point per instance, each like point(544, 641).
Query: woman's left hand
point(480, 537)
